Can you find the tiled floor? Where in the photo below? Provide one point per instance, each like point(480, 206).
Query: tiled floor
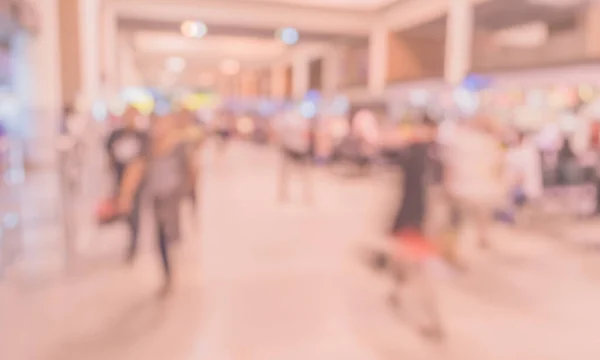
point(260, 280)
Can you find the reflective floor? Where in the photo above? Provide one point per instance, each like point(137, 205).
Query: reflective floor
point(257, 280)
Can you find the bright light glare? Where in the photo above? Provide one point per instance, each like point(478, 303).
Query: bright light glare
point(340, 105)
point(99, 111)
point(194, 29)
point(308, 110)
point(175, 64)
point(289, 36)
point(466, 101)
point(116, 107)
point(230, 67)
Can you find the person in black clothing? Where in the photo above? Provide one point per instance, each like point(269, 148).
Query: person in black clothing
point(567, 164)
point(125, 146)
point(415, 161)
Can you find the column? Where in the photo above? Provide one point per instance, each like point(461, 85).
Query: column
point(37, 82)
point(70, 51)
point(109, 74)
point(378, 60)
point(300, 75)
point(459, 39)
point(89, 28)
point(591, 30)
point(278, 81)
point(331, 71)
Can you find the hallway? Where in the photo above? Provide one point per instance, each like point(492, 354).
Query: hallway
point(263, 280)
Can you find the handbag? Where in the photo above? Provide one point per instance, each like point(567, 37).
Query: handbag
point(107, 211)
point(415, 246)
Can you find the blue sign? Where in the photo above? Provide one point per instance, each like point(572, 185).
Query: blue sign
point(476, 82)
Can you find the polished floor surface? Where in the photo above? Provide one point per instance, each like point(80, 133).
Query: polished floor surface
point(257, 279)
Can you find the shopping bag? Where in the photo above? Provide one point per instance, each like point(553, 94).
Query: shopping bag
point(107, 211)
point(415, 246)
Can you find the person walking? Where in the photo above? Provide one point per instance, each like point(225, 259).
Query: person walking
point(297, 144)
point(408, 227)
point(474, 163)
point(125, 144)
point(161, 175)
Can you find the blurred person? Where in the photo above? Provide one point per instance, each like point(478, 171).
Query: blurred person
point(125, 144)
point(567, 169)
point(414, 159)
point(474, 173)
point(162, 175)
point(192, 136)
point(524, 171)
point(297, 143)
point(72, 146)
point(224, 128)
point(408, 225)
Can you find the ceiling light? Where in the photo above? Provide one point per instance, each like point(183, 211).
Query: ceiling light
point(194, 29)
point(175, 64)
point(230, 67)
point(289, 36)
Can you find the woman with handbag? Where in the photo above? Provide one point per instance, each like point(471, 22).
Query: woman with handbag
point(162, 176)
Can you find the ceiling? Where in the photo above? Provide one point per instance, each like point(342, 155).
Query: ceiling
point(136, 25)
point(211, 47)
point(501, 14)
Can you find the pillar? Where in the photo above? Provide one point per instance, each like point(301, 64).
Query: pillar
point(591, 29)
point(89, 28)
point(278, 82)
point(108, 28)
point(331, 71)
point(70, 50)
point(459, 39)
point(300, 75)
point(36, 80)
point(378, 60)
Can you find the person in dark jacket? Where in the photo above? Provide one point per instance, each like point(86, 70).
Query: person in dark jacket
point(416, 162)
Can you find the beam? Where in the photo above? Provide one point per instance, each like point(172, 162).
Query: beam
point(257, 15)
point(411, 13)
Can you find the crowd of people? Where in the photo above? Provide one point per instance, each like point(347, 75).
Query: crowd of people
point(473, 169)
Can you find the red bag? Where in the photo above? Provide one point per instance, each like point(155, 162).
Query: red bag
point(107, 211)
point(416, 246)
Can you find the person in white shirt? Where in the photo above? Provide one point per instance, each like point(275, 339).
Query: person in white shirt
point(296, 140)
point(474, 179)
point(524, 169)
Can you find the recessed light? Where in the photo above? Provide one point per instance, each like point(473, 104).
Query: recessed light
point(194, 29)
point(288, 35)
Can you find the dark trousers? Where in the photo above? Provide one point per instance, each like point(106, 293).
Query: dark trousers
point(134, 226)
point(163, 248)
